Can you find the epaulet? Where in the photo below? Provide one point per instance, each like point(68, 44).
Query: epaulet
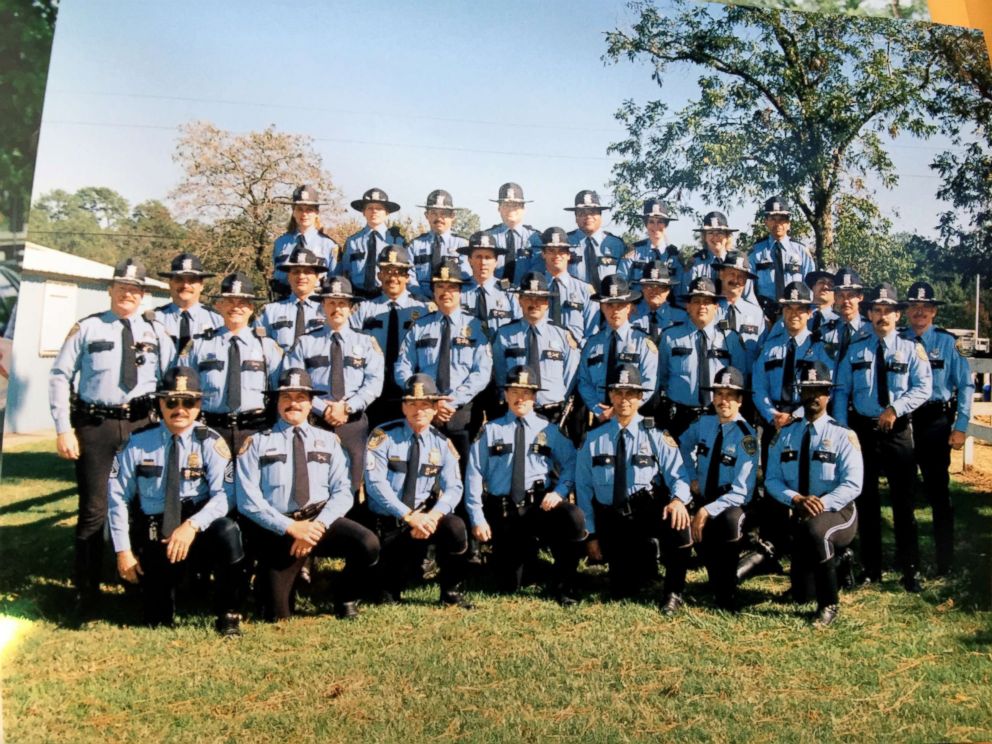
point(859, 338)
point(639, 243)
point(532, 228)
point(161, 308)
point(423, 235)
point(206, 333)
point(260, 331)
point(315, 329)
point(91, 315)
point(647, 423)
point(147, 427)
point(431, 307)
point(945, 331)
point(607, 232)
point(742, 425)
point(389, 425)
point(461, 237)
point(207, 306)
point(640, 330)
point(672, 250)
point(494, 227)
point(701, 253)
point(204, 432)
point(320, 231)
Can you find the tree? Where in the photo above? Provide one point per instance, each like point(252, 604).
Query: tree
point(788, 102)
point(913, 10)
point(71, 223)
point(238, 185)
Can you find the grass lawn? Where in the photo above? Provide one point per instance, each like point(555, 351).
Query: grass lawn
point(896, 667)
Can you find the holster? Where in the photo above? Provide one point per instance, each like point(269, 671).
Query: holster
point(307, 512)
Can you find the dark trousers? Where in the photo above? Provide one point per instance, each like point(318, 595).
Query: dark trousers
point(217, 548)
point(353, 435)
point(680, 417)
point(890, 453)
point(816, 542)
point(277, 568)
point(99, 440)
point(933, 456)
point(461, 429)
point(517, 537)
point(388, 406)
point(768, 520)
point(719, 549)
point(403, 555)
point(235, 436)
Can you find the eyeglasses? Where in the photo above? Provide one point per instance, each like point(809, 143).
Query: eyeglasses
point(187, 403)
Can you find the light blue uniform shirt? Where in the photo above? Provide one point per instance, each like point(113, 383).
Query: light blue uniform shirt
point(830, 334)
point(386, 469)
point(502, 306)
point(356, 249)
point(679, 365)
point(609, 250)
point(201, 318)
point(836, 470)
point(701, 265)
point(265, 476)
point(471, 355)
point(909, 378)
point(260, 359)
point(550, 460)
point(279, 319)
point(314, 241)
point(558, 354)
point(796, 262)
point(649, 453)
point(579, 312)
point(664, 318)
point(92, 351)
point(527, 243)
point(750, 322)
point(766, 378)
point(420, 253)
point(634, 347)
point(632, 266)
point(205, 471)
point(371, 316)
point(738, 458)
point(952, 378)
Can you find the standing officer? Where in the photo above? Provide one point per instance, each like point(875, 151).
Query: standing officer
point(822, 285)
point(430, 249)
point(360, 258)
point(721, 457)
point(717, 237)
point(517, 485)
point(286, 320)
point(570, 299)
point(815, 467)
point(236, 365)
point(170, 490)
point(450, 346)
point(884, 378)
point(348, 366)
point(618, 343)
point(849, 326)
point(293, 492)
point(598, 252)
point(778, 260)
point(304, 231)
point(485, 296)
point(413, 486)
point(941, 422)
point(520, 242)
point(654, 247)
point(654, 313)
point(633, 489)
point(118, 356)
point(186, 317)
point(691, 355)
point(550, 351)
point(387, 318)
point(738, 310)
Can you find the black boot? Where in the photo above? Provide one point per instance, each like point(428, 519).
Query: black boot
point(451, 596)
point(911, 580)
point(845, 569)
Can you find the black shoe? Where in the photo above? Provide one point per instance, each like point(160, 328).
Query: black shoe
point(229, 624)
point(566, 597)
point(845, 570)
point(911, 582)
point(452, 598)
point(85, 604)
point(825, 616)
point(868, 578)
point(672, 604)
point(728, 604)
point(346, 610)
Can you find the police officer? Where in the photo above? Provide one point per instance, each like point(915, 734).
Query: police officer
point(815, 468)
point(413, 485)
point(293, 491)
point(690, 356)
point(483, 295)
point(286, 320)
point(618, 343)
point(720, 452)
point(717, 237)
point(98, 390)
point(236, 365)
point(431, 248)
point(884, 378)
point(777, 259)
point(821, 283)
point(519, 478)
point(655, 247)
point(738, 310)
point(360, 258)
point(521, 243)
point(186, 316)
point(654, 313)
point(940, 423)
point(633, 489)
point(450, 346)
point(170, 490)
point(549, 350)
point(304, 231)
point(849, 325)
point(597, 253)
point(570, 299)
point(347, 366)
point(387, 318)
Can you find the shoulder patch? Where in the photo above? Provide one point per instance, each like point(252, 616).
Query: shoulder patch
point(571, 339)
point(749, 444)
point(221, 448)
point(669, 439)
point(187, 348)
point(375, 344)
point(72, 331)
point(921, 352)
point(432, 307)
point(853, 439)
point(453, 451)
point(651, 344)
point(245, 445)
point(376, 438)
point(260, 331)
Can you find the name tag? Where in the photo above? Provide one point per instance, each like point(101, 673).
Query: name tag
point(718, 354)
point(628, 356)
point(824, 456)
point(899, 368)
point(594, 360)
point(553, 354)
point(426, 343)
point(572, 305)
point(789, 455)
point(936, 364)
point(729, 460)
point(144, 470)
point(283, 324)
point(498, 449)
point(603, 460)
point(422, 259)
point(462, 341)
point(540, 449)
point(372, 323)
point(642, 461)
point(322, 457)
point(513, 353)
point(356, 362)
point(860, 365)
point(773, 363)
point(681, 351)
point(252, 365)
point(752, 329)
point(270, 459)
point(702, 449)
point(764, 266)
point(430, 470)
point(95, 346)
point(397, 466)
point(209, 364)
point(316, 361)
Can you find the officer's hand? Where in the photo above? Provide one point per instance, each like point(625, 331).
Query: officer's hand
point(957, 439)
point(780, 419)
point(177, 546)
point(300, 549)
point(550, 501)
point(444, 411)
point(482, 532)
point(808, 506)
point(432, 519)
point(887, 419)
point(694, 487)
point(128, 567)
point(68, 446)
point(421, 526)
point(594, 551)
point(605, 413)
point(698, 523)
point(678, 513)
point(304, 530)
point(334, 414)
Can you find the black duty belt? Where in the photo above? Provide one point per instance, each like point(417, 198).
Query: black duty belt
point(256, 419)
point(552, 411)
point(858, 421)
point(934, 409)
point(134, 411)
point(635, 502)
point(532, 497)
point(307, 512)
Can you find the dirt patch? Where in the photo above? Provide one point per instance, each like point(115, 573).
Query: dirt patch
point(980, 475)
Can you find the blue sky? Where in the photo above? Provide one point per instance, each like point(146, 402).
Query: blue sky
point(405, 96)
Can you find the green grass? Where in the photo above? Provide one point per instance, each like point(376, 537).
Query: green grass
point(895, 668)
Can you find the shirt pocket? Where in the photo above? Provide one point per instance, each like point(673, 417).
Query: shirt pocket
point(274, 470)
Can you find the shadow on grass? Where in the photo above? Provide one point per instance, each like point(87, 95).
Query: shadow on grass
point(37, 466)
point(37, 502)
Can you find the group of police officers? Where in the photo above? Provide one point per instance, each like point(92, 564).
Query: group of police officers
point(517, 388)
